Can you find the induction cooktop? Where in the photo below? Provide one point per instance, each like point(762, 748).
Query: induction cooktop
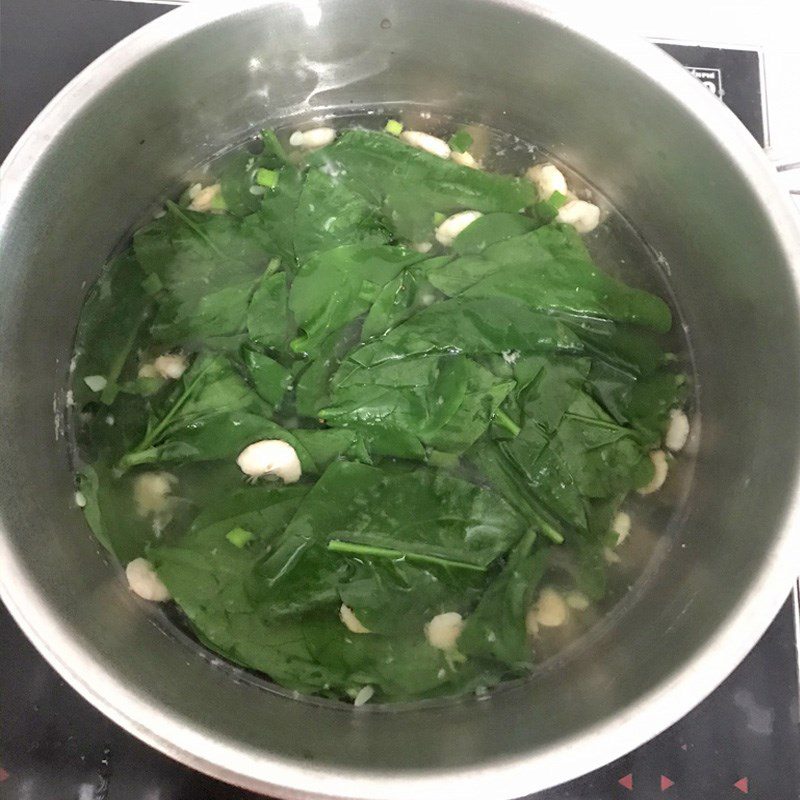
point(743, 740)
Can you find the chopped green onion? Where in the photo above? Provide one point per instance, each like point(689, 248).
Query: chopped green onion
point(239, 537)
point(550, 532)
point(267, 177)
point(460, 141)
point(273, 266)
point(152, 284)
point(95, 382)
point(186, 195)
point(218, 203)
point(502, 419)
point(394, 127)
point(544, 211)
point(557, 199)
point(439, 218)
point(436, 458)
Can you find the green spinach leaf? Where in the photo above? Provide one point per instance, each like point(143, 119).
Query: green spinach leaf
point(474, 326)
point(549, 269)
point(403, 406)
point(337, 285)
point(410, 185)
point(268, 320)
point(329, 214)
point(422, 513)
point(270, 378)
point(496, 628)
point(110, 326)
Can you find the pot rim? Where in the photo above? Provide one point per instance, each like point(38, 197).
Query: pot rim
point(653, 712)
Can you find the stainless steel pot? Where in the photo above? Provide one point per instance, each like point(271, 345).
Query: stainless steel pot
point(664, 151)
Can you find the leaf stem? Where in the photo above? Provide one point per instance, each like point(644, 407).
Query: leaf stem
point(176, 211)
point(351, 548)
point(271, 140)
point(136, 457)
point(115, 370)
point(548, 530)
point(152, 436)
point(597, 422)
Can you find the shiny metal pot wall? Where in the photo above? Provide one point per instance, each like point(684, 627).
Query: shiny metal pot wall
point(664, 151)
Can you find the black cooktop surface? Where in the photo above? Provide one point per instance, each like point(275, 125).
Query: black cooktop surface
point(742, 740)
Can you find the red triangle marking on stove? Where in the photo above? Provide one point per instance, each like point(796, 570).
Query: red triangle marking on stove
point(626, 781)
point(743, 785)
point(666, 783)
